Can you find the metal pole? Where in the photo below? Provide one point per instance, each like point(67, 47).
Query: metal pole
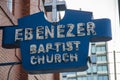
point(115, 65)
point(119, 8)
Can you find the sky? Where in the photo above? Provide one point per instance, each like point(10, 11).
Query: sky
point(101, 9)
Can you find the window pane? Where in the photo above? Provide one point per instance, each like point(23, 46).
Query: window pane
point(100, 78)
point(10, 5)
point(94, 68)
point(93, 59)
point(93, 49)
point(99, 68)
point(89, 70)
point(98, 58)
point(89, 78)
point(101, 58)
point(105, 78)
point(104, 58)
point(95, 77)
point(104, 68)
point(97, 49)
point(79, 78)
point(101, 48)
point(84, 78)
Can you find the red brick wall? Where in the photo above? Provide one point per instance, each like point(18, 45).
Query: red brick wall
point(8, 55)
point(16, 72)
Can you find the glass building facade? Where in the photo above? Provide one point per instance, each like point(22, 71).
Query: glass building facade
point(98, 69)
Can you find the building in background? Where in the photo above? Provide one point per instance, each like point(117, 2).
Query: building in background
point(10, 59)
point(98, 69)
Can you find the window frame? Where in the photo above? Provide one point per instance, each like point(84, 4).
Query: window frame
point(101, 58)
point(101, 68)
point(10, 5)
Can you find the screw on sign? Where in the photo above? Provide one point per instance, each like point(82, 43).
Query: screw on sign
point(48, 47)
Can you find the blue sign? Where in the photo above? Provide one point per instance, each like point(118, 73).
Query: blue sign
point(56, 47)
